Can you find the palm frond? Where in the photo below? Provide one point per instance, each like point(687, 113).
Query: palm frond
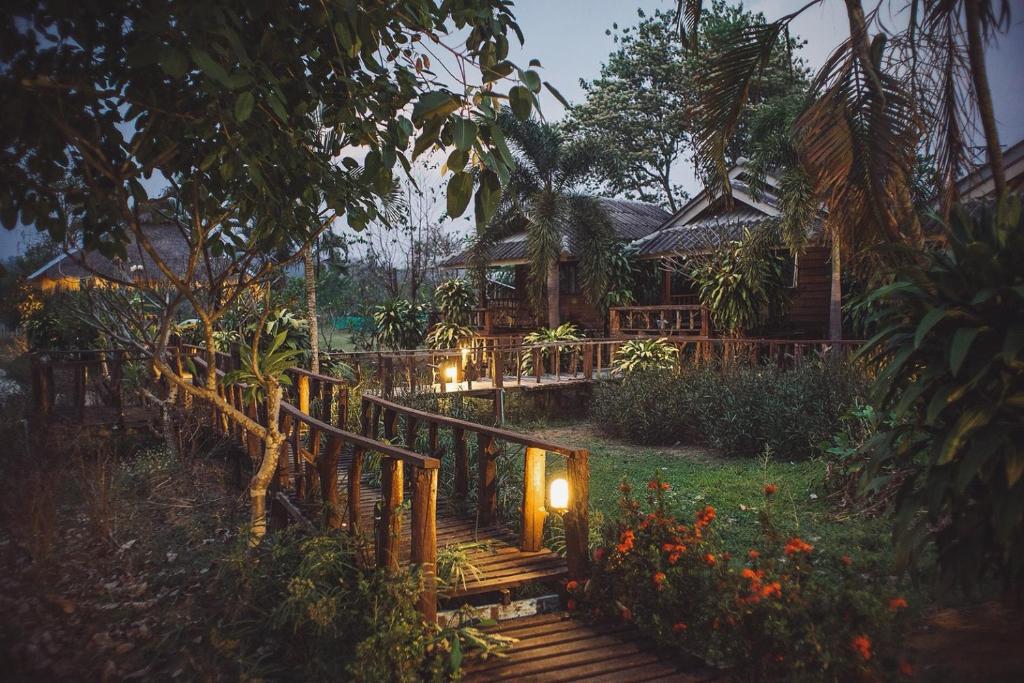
point(546, 217)
point(593, 240)
point(688, 20)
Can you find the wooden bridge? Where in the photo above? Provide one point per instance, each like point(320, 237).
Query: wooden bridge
point(491, 364)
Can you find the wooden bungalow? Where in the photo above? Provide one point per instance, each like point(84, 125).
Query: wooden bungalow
point(507, 309)
point(703, 223)
point(672, 308)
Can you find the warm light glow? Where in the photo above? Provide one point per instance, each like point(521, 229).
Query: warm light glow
point(560, 494)
point(452, 372)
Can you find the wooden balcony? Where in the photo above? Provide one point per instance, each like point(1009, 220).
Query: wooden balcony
point(688, 320)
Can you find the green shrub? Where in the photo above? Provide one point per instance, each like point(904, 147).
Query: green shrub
point(401, 324)
point(309, 609)
point(952, 351)
point(645, 354)
point(447, 335)
point(455, 299)
point(742, 411)
point(783, 611)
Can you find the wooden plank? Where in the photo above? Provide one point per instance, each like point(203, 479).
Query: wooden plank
point(487, 485)
point(576, 520)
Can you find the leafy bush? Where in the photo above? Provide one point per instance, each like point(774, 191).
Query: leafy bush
point(566, 332)
point(401, 324)
point(645, 354)
point(952, 349)
point(742, 282)
point(455, 299)
point(309, 607)
point(742, 410)
point(447, 335)
point(782, 612)
point(50, 322)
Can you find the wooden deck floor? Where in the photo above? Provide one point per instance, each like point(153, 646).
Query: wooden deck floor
point(556, 647)
point(510, 383)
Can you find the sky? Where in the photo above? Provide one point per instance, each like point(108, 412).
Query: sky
point(568, 37)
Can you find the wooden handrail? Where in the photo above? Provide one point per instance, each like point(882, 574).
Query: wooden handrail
point(455, 423)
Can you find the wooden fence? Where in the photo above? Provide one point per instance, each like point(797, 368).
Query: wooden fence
point(74, 382)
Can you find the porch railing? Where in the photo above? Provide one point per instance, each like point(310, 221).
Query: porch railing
point(666, 321)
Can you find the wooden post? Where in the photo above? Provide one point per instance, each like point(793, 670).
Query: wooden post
point(614, 322)
point(487, 483)
point(576, 519)
point(328, 465)
point(532, 528)
point(705, 322)
point(498, 374)
point(461, 464)
point(117, 379)
point(388, 379)
point(423, 546)
point(389, 533)
point(410, 432)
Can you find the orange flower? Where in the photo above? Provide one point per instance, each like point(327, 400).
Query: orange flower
point(845, 559)
point(797, 545)
point(679, 627)
point(659, 580)
point(665, 486)
point(770, 489)
point(862, 646)
point(906, 668)
point(772, 590)
point(626, 541)
point(624, 487)
point(896, 604)
point(753, 554)
point(571, 586)
point(709, 559)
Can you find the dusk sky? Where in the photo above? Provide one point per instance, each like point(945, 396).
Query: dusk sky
point(568, 37)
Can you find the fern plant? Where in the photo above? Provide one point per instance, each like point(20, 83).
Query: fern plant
point(645, 354)
point(951, 349)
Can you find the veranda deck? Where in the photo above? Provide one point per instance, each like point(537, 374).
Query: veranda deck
point(556, 647)
point(486, 385)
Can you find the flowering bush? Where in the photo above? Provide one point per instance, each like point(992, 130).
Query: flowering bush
point(782, 610)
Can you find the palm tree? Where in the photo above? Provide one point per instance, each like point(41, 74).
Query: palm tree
point(543, 198)
point(852, 147)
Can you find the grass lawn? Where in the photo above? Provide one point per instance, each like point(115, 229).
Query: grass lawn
point(336, 340)
point(700, 477)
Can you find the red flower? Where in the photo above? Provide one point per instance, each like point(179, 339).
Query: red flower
point(571, 605)
point(679, 627)
point(906, 668)
point(627, 614)
point(652, 485)
point(626, 541)
point(797, 545)
point(571, 586)
point(862, 646)
point(896, 604)
point(770, 489)
point(709, 559)
point(659, 580)
point(598, 554)
point(753, 554)
point(845, 559)
point(726, 556)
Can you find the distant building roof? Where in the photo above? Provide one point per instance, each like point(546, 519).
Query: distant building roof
point(164, 235)
point(629, 219)
point(978, 184)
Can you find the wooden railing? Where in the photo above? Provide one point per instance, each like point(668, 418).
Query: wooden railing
point(375, 409)
point(308, 469)
point(689, 320)
point(74, 381)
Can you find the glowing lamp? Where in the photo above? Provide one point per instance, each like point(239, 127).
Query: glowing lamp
point(560, 495)
point(451, 372)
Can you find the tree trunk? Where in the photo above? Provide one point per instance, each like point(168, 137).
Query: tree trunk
point(979, 74)
point(314, 328)
point(553, 294)
point(835, 303)
point(260, 481)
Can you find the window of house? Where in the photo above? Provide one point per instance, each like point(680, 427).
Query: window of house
point(790, 269)
point(568, 278)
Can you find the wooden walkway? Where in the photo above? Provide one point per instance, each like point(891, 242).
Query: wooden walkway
point(486, 385)
point(492, 549)
point(556, 647)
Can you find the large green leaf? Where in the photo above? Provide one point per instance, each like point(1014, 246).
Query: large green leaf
point(962, 340)
point(460, 190)
point(464, 132)
point(521, 101)
point(434, 105)
point(930, 320)
point(969, 421)
point(243, 106)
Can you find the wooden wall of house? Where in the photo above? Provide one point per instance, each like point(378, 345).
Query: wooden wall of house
point(808, 309)
point(576, 308)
